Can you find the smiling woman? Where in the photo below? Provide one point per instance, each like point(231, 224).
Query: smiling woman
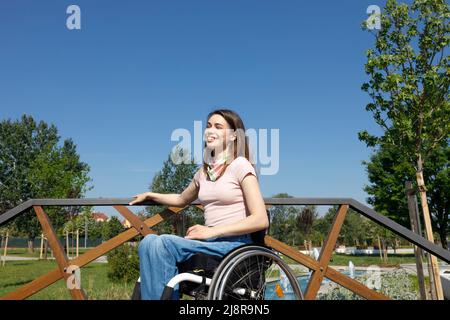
point(227, 187)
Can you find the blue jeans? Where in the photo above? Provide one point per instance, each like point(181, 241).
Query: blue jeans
point(158, 256)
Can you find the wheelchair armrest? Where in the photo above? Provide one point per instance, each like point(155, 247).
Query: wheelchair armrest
point(168, 290)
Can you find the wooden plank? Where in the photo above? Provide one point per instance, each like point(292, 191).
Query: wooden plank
point(429, 231)
point(326, 253)
point(137, 223)
point(5, 252)
point(301, 258)
point(47, 228)
point(58, 251)
point(164, 215)
point(44, 281)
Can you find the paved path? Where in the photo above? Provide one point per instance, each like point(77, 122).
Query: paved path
point(14, 258)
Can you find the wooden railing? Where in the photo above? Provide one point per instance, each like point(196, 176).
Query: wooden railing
point(320, 268)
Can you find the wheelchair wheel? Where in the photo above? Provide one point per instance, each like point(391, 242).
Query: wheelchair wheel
point(254, 273)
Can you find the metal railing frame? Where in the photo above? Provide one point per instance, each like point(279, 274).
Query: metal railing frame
point(320, 268)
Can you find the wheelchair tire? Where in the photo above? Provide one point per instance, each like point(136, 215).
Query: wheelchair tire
point(250, 272)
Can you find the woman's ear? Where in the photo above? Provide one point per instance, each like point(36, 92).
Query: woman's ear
point(233, 136)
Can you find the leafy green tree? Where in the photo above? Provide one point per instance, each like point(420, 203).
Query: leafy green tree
point(438, 191)
point(409, 79)
point(354, 229)
point(96, 230)
point(388, 172)
point(84, 221)
point(409, 85)
point(112, 228)
point(174, 177)
point(34, 165)
point(305, 220)
point(293, 224)
point(280, 217)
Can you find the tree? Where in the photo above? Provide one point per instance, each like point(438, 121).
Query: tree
point(112, 228)
point(85, 223)
point(353, 229)
point(409, 82)
point(388, 171)
point(305, 223)
point(283, 221)
point(306, 218)
point(439, 192)
point(96, 230)
point(34, 165)
point(292, 224)
point(174, 178)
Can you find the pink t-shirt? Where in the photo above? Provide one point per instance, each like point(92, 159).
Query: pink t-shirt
point(223, 199)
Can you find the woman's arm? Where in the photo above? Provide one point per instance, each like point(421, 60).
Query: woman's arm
point(176, 200)
point(257, 220)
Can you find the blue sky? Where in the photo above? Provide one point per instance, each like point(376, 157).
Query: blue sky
point(138, 70)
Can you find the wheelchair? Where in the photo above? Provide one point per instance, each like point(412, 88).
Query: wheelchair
point(249, 272)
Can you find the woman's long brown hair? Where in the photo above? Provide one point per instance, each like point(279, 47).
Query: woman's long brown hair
point(241, 144)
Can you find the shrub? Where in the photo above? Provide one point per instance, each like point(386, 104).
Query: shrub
point(123, 264)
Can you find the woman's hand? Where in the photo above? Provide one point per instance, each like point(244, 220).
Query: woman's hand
point(201, 232)
point(140, 197)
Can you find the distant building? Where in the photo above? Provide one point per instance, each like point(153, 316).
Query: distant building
point(126, 224)
point(100, 217)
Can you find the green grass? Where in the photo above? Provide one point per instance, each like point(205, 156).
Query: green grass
point(415, 282)
point(23, 252)
point(94, 281)
point(365, 261)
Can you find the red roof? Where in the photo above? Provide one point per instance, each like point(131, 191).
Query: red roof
point(100, 216)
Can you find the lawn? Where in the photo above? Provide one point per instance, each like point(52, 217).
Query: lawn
point(394, 260)
point(23, 252)
point(94, 281)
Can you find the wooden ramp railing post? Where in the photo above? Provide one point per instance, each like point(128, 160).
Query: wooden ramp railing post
point(325, 254)
point(60, 256)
